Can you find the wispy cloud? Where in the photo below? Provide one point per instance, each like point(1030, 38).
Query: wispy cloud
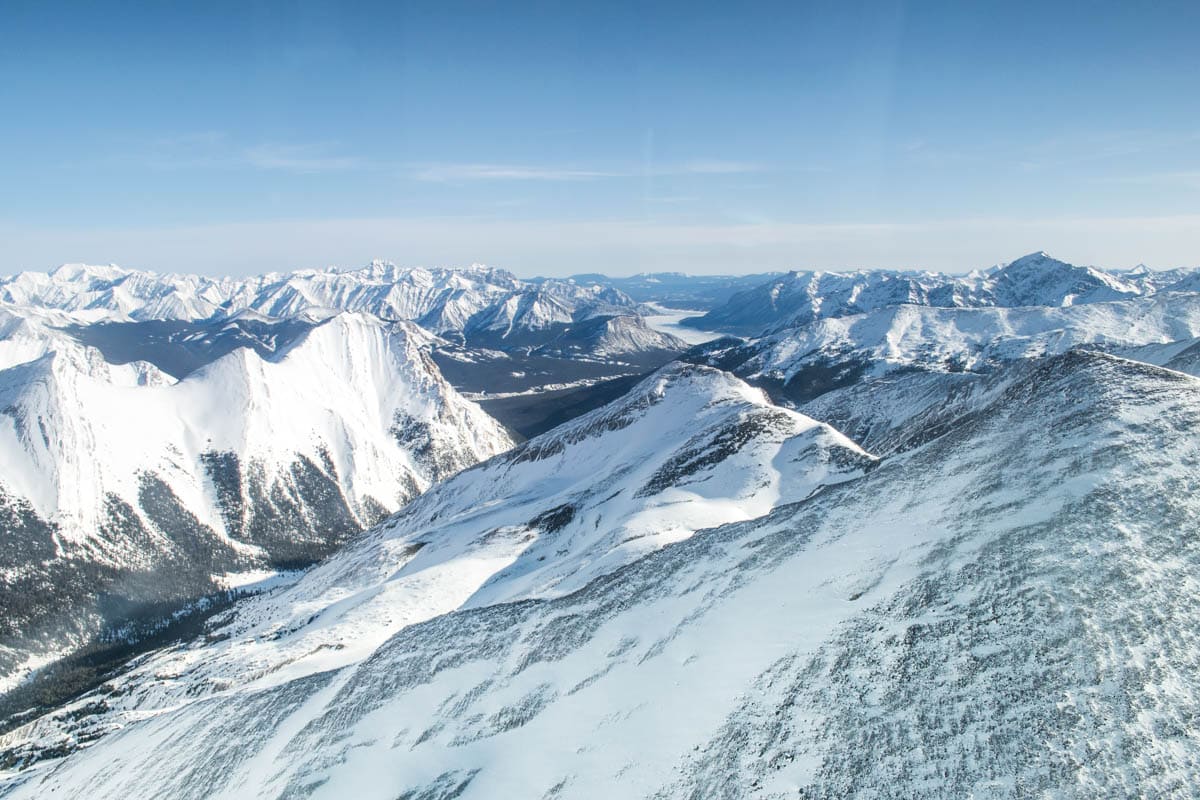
point(1104, 146)
point(453, 173)
point(709, 168)
point(1186, 178)
point(299, 158)
point(449, 173)
point(217, 150)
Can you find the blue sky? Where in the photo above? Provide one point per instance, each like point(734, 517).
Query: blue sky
point(552, 138)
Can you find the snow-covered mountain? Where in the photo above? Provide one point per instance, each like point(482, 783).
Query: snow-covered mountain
point(804, 362)
point(688, 448)
point(799, 298)
point(111, 292)
point(124, 491)
point(1004, 609)
point(957, 563)
point(558, 337)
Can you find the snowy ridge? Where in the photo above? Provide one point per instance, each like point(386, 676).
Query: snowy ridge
point(959, 562)
point(1003, 611)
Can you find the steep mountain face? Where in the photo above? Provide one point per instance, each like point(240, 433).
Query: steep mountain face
point(626, 339)
point(803, 363)
point(800, 298)
point(1004, 610)
point(127, 493)
point(688, 448)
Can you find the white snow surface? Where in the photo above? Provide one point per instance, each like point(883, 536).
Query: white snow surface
point(1006, 611)
point(357, 399)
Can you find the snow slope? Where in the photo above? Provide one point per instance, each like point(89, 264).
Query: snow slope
point(688, 448)
point(1006, 610)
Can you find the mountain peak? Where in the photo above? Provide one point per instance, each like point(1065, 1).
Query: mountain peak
point(1036, 258)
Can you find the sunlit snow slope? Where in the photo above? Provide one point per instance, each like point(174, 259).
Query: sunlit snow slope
point(1006, 610)
point(689, 448)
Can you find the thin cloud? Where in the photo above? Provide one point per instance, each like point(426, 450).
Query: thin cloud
point(1188, 178)
point(298, 158)
point(450, 173)
point(1099, 146)
point(215, 150)
point(710, 168)
point(447, 173)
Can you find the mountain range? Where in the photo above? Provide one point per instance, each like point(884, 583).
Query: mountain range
point(798, 298)
point(904, 534)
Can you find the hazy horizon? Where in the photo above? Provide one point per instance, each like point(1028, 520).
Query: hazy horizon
point(256, 262)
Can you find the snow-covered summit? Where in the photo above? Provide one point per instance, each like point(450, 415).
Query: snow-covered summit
point(1038, 279)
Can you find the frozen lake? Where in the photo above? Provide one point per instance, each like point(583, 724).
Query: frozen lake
point(667, 321)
